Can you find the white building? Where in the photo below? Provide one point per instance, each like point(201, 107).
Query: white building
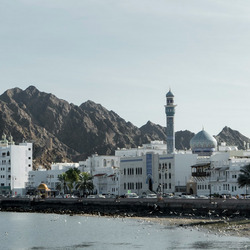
point(48, 177)
point(105, 172)
point(216, 171)
point(15, 163)
point(150, 168)
point(150, 172)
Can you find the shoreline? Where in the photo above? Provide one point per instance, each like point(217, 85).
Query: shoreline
point(228, 217)
point(237, 226)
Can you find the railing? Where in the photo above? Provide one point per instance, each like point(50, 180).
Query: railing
point(200, 174)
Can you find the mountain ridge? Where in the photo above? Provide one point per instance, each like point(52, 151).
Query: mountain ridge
point(62, 131)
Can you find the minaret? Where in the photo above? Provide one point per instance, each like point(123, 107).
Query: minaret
point(170, 111)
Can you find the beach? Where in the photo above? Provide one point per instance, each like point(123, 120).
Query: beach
point(223, 226)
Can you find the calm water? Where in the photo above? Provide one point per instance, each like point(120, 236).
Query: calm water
point(51, 231)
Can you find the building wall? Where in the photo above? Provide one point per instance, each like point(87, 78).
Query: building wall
point(150, 172)
point(15, 162)
point(183, 163)
point(224, 173)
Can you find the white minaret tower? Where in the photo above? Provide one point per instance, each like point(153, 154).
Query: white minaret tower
point(170, 112)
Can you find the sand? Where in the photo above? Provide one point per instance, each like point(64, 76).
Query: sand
point(236, 227)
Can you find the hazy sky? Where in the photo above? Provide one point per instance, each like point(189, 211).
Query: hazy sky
point(125, 54)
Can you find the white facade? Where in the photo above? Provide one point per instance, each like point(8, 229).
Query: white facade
point(183, 162)
point(148, 172)
point(49, 177)
point(105, 172)
point(156, 146)
point(139, 170)
point(15, 163)
point(219, 173)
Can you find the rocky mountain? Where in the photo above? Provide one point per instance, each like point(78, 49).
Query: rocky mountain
point(62, 131)
point(233, 138)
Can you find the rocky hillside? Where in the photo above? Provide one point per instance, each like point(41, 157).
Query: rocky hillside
point(233, 138)
point(61, 131)
point(65, 132)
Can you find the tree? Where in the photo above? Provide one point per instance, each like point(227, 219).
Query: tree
point(63, 182)
point(85, 183)
point(72, 178)
point(244, 177)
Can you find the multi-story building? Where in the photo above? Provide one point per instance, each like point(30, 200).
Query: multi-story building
point(15, 163)
point(216, 170)
point(105, 172)
point(48, 177)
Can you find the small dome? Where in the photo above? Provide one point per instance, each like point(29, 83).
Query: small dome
point(169, 94)
point(203, 142)
point(43, 187)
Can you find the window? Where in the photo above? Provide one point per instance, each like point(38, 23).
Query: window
point(169, 166)
point(124, 185)
point(169, 175)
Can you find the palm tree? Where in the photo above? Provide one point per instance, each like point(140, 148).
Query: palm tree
point(63, 182)
point(72, 177)
point(85, 182)
point(244, 177)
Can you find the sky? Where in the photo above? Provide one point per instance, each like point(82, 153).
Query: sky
point(127, 54)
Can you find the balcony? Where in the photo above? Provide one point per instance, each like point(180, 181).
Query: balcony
point(200, 174)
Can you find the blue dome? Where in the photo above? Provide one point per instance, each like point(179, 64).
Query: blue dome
point(203, 141)
point(169, 94)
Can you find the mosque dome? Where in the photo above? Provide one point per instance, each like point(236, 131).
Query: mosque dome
point(203, 143)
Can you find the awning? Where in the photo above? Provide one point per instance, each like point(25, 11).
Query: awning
point(97, 175)
point(201, 165)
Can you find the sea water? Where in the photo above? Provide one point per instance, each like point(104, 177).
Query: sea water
point(52, 231)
